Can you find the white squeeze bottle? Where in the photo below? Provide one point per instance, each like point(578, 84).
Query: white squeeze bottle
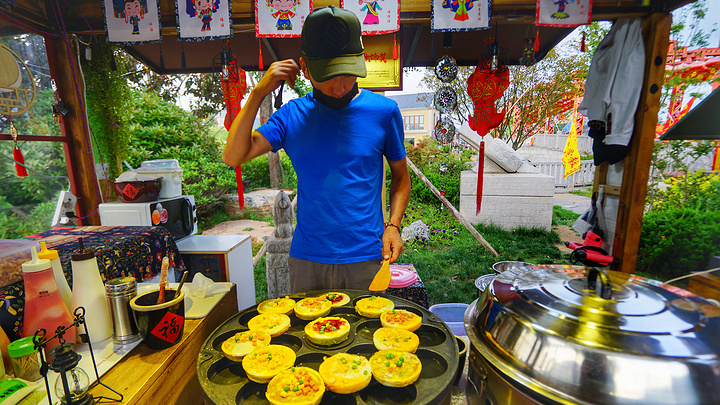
point(89, 293)
point(60, 279)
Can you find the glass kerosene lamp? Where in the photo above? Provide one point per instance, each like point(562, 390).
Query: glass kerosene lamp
point(72, 384)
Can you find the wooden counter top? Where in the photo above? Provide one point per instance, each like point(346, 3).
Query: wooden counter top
point(167, 376)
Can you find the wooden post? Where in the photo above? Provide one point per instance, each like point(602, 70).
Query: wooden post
point(636, 171)
point(63, 62)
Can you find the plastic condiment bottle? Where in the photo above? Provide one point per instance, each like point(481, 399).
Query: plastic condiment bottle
point(44, 307)
point(89, 293)
point(60, 279)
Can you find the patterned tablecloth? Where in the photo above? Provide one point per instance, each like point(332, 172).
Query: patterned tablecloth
point(120, 251)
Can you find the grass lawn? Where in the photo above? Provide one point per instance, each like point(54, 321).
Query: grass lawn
point(451, 259)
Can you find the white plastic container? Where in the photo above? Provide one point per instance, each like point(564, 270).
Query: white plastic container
point(89, 293)
point(169, 170)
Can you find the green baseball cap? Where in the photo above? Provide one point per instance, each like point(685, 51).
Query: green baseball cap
point(331, 44)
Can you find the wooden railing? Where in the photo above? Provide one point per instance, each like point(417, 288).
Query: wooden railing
point(581, 178)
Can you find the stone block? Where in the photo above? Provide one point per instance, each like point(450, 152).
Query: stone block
point(260, 200)
point(510, 200)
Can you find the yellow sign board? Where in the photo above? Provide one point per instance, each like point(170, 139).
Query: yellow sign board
point(383, 71)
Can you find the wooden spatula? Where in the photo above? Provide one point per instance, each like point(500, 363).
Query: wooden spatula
point(382, 277)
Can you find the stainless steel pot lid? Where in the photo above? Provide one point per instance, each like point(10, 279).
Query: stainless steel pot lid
point(643, 343)
point(482, 282)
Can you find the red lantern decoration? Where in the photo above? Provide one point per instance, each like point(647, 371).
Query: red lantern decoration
point(233, 87)
point(485, 86)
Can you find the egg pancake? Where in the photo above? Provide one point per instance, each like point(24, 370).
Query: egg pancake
point(345, 373)
point(372, 307)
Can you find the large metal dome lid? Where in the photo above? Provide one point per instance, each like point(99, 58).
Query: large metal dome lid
point(545, 325)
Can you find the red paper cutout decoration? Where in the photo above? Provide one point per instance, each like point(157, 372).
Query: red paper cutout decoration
point(485, 86)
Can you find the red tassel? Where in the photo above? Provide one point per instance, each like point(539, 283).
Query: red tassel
point(395, 50)
point(537, 40)
point(481, 171)
point(19, 162)
point(582, 43)
point(260, 61)
point(238, 178)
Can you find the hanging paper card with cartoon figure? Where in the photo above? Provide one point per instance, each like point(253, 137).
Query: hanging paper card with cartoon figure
point(130, 22)
point(459, 15)
point(280, 18)
point(201, 20)
point(376, 16)
point(563, 13)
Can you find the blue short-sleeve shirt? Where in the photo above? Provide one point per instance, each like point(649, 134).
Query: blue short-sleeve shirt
point(337, 155)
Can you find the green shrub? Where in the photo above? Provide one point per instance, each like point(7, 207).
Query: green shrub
point(256, 173)
point(678, 241)
point(697, 190)
point(442, 168)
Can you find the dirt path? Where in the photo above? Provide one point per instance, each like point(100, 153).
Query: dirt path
point(259, 231)
point(566, 234)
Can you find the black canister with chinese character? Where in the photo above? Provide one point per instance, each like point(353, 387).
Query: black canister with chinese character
point(161, 325)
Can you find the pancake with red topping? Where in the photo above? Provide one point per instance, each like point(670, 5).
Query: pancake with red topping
point(337, 299)
point(328, 331)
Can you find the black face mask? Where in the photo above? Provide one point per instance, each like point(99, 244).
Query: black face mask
point(335, 103)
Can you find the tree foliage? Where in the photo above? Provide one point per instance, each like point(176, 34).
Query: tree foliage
point(162, 130)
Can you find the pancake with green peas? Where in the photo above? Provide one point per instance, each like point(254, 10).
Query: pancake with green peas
point(395, 368)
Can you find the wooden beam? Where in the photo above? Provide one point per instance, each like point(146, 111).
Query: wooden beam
point(636, 171)
point(63, 62)
point(450, 207)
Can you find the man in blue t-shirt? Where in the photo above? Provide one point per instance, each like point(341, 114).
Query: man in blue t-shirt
point(336, 138)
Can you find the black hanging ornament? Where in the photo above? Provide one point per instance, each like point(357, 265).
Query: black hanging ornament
point(446, 69)
point(444, 131)
point(445, 99)
point(162, 62)
point(182, 57)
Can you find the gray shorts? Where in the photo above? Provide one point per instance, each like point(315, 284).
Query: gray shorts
point(309, 276)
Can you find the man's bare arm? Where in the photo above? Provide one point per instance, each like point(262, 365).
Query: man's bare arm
point(243, 143)
point(399, 196)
